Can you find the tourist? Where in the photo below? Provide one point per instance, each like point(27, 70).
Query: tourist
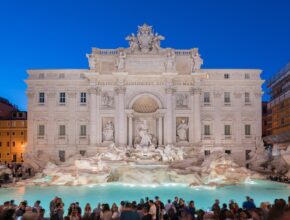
point(21, 209)
point(115, 211)
point(216, 208)
point(191, 209)
point(175, 202)
point(29, 214)
point(52, 205)
point(122, 204)
point(181, 208)
point(58, 211)
point(152, 210)
point(223, 212)
point(146, 215)
point(87, 212)
point(37, 207)
point(7, 214)
point(129, 213)
point(249, 204)
point(74, 215)
point(106, 213)
point(159, 208)
point(79, 209)
point(41, 215)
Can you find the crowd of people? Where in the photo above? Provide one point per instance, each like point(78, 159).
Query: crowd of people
point(147, 209)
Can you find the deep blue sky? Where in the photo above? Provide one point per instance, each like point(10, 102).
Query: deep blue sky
point(58, 33)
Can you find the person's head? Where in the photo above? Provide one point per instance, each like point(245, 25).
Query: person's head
point(114, 207)
point(8, 214)
point(147, 199)
point(248, 198)
point(157, 198)
point(217, 201)
point(12, 202)
point(169, 201)
point(176, 199)
point(77, 204)
point(106, 207)
point(224, 205)
point(122, 203)
point(37, 203)
point(191, 203)
point(151, 202)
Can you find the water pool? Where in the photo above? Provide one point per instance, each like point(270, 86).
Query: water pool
point(203, 196)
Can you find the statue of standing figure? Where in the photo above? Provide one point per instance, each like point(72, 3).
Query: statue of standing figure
point(92, 61)
point(182, 131)
point(170, 62)
point(121, 61)
point(156, 41)
point(108, 131)
point(133, 42)
point(197, 61)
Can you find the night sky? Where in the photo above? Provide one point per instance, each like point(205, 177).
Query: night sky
point(58, 33)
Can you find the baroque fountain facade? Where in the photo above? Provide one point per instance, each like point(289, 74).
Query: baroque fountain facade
point(143, 111)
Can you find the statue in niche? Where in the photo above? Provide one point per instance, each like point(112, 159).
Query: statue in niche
point(145, 139)
point(92, 61)
point(170, 62)
point(156, 41)
point(107, 100)
point(133, 42)
point(121, 61)
point(197, 61)
point(182, 131)
point(108, 131)
point(181, 100)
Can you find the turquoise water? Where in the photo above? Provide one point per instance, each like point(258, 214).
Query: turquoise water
point(203, 196)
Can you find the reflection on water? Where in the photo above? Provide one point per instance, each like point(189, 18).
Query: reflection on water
point(203, 196)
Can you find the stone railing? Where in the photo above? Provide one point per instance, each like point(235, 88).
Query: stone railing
point(106, 51)
point(182, 52)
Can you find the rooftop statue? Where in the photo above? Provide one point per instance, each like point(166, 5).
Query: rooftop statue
point(145, 41)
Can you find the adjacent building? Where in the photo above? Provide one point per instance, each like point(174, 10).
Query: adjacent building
point(278, 109)
point(13, 133)
point(141, 96)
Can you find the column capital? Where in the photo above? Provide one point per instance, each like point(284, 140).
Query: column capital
point(120, 90)
point(94, 90)
point(196, 91)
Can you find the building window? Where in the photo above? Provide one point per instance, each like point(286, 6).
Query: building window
point(83, 98)
point(247, 129)
point(13, 143)
point(227, 98)
point(21, 133)
point(228, 152)
point(83, 130)
point(62, 130)
point(41, 130)
point(226, 76)
point(82, 152)
point(247, 97)
point(206, 152)
point(13, 133)
point(0, 144)
point(206, 97)
point(247, 76)
point(7, 133)
point(206, 130)
point(7, 144)
point(62, 97)
point(227, 130)
point(41, 97)
point(282, 121)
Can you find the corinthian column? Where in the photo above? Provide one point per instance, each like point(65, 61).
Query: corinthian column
point(121, 115)
point(169, 116)
point(93, 116)
point(196, 115)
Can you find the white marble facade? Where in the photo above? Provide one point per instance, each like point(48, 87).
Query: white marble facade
point(144, 95)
